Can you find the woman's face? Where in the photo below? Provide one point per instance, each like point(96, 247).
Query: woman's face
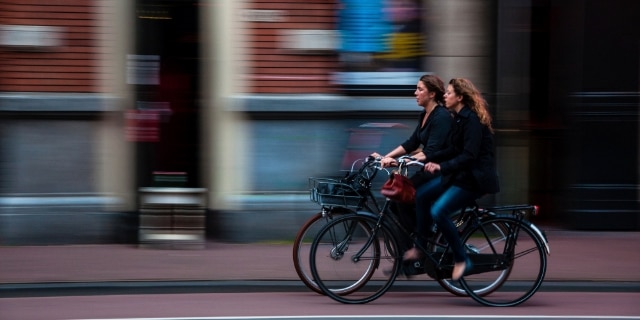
point(451, 100)
point(423, 95)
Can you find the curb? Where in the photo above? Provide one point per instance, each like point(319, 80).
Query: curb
point(19, 290)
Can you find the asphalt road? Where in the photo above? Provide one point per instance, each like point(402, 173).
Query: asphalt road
point(308, 305)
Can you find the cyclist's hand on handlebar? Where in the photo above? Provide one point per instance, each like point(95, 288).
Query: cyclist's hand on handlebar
point(388, 162)
point(385, 161)
point(431, 167)
point(419, 156)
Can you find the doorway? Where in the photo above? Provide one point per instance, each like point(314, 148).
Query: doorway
point(166, 82)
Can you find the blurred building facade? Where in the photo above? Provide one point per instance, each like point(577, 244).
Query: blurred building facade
point(57, 76)
point(247, 99)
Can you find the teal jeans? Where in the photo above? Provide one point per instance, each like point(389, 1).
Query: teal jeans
point(435, 204)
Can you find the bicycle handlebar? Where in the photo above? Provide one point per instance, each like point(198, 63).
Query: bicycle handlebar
point(411, 161)
point(403, 161)
point(376, 164)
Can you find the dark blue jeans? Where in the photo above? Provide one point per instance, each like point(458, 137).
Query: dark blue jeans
point(435, 203)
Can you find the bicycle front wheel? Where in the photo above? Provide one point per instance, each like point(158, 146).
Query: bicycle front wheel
point(302, 246)
point(514, 246)
point(353, 253)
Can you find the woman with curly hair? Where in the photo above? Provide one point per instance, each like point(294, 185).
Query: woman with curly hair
point(466, 167)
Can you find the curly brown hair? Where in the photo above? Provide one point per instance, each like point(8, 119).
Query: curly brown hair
point(472, 97)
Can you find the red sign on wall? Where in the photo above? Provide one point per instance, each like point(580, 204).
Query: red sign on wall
point(142, 125)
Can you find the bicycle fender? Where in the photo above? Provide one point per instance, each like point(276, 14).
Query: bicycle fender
point(542, 236)
point(368, 214)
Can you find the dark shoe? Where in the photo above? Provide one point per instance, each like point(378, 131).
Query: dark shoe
point(412, 268)
point(408, 269)
point(460, 269)
point(411, 264)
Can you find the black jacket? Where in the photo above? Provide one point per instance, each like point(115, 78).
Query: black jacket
point(468, 161)
point(433, 136)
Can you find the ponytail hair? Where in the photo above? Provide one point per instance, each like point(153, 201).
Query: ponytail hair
point(434, 84)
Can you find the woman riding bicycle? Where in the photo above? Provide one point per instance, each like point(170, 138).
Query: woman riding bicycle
point(466, 166)
point(431, 134)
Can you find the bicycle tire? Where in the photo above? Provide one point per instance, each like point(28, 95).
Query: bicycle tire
point(335, 261)
point(302, 244)
point(522, 248)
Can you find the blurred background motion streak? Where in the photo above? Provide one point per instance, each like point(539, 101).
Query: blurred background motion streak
point(121, 120)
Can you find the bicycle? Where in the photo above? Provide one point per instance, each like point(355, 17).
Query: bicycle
point(349, 195)
point(352, 250)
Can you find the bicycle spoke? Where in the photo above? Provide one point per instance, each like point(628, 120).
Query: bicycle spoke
point(525, 252)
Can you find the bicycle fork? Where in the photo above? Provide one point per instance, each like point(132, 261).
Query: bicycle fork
point(341, 246)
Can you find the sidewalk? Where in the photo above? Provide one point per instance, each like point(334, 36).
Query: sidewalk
point(575, 256)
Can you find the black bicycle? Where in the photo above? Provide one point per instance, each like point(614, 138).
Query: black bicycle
point(363, 252)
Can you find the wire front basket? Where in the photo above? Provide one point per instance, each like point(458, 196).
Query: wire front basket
point(333, 192)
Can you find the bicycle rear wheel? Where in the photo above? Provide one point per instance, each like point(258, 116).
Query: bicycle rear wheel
point(519, 250)
point(302, 247)
point(352, 253)
point(492, 283)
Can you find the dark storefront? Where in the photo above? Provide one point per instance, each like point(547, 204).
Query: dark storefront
point(164, 73)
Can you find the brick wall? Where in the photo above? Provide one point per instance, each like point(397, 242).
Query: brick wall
point(72, 66)
point(274, 69)
point(69, 66)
